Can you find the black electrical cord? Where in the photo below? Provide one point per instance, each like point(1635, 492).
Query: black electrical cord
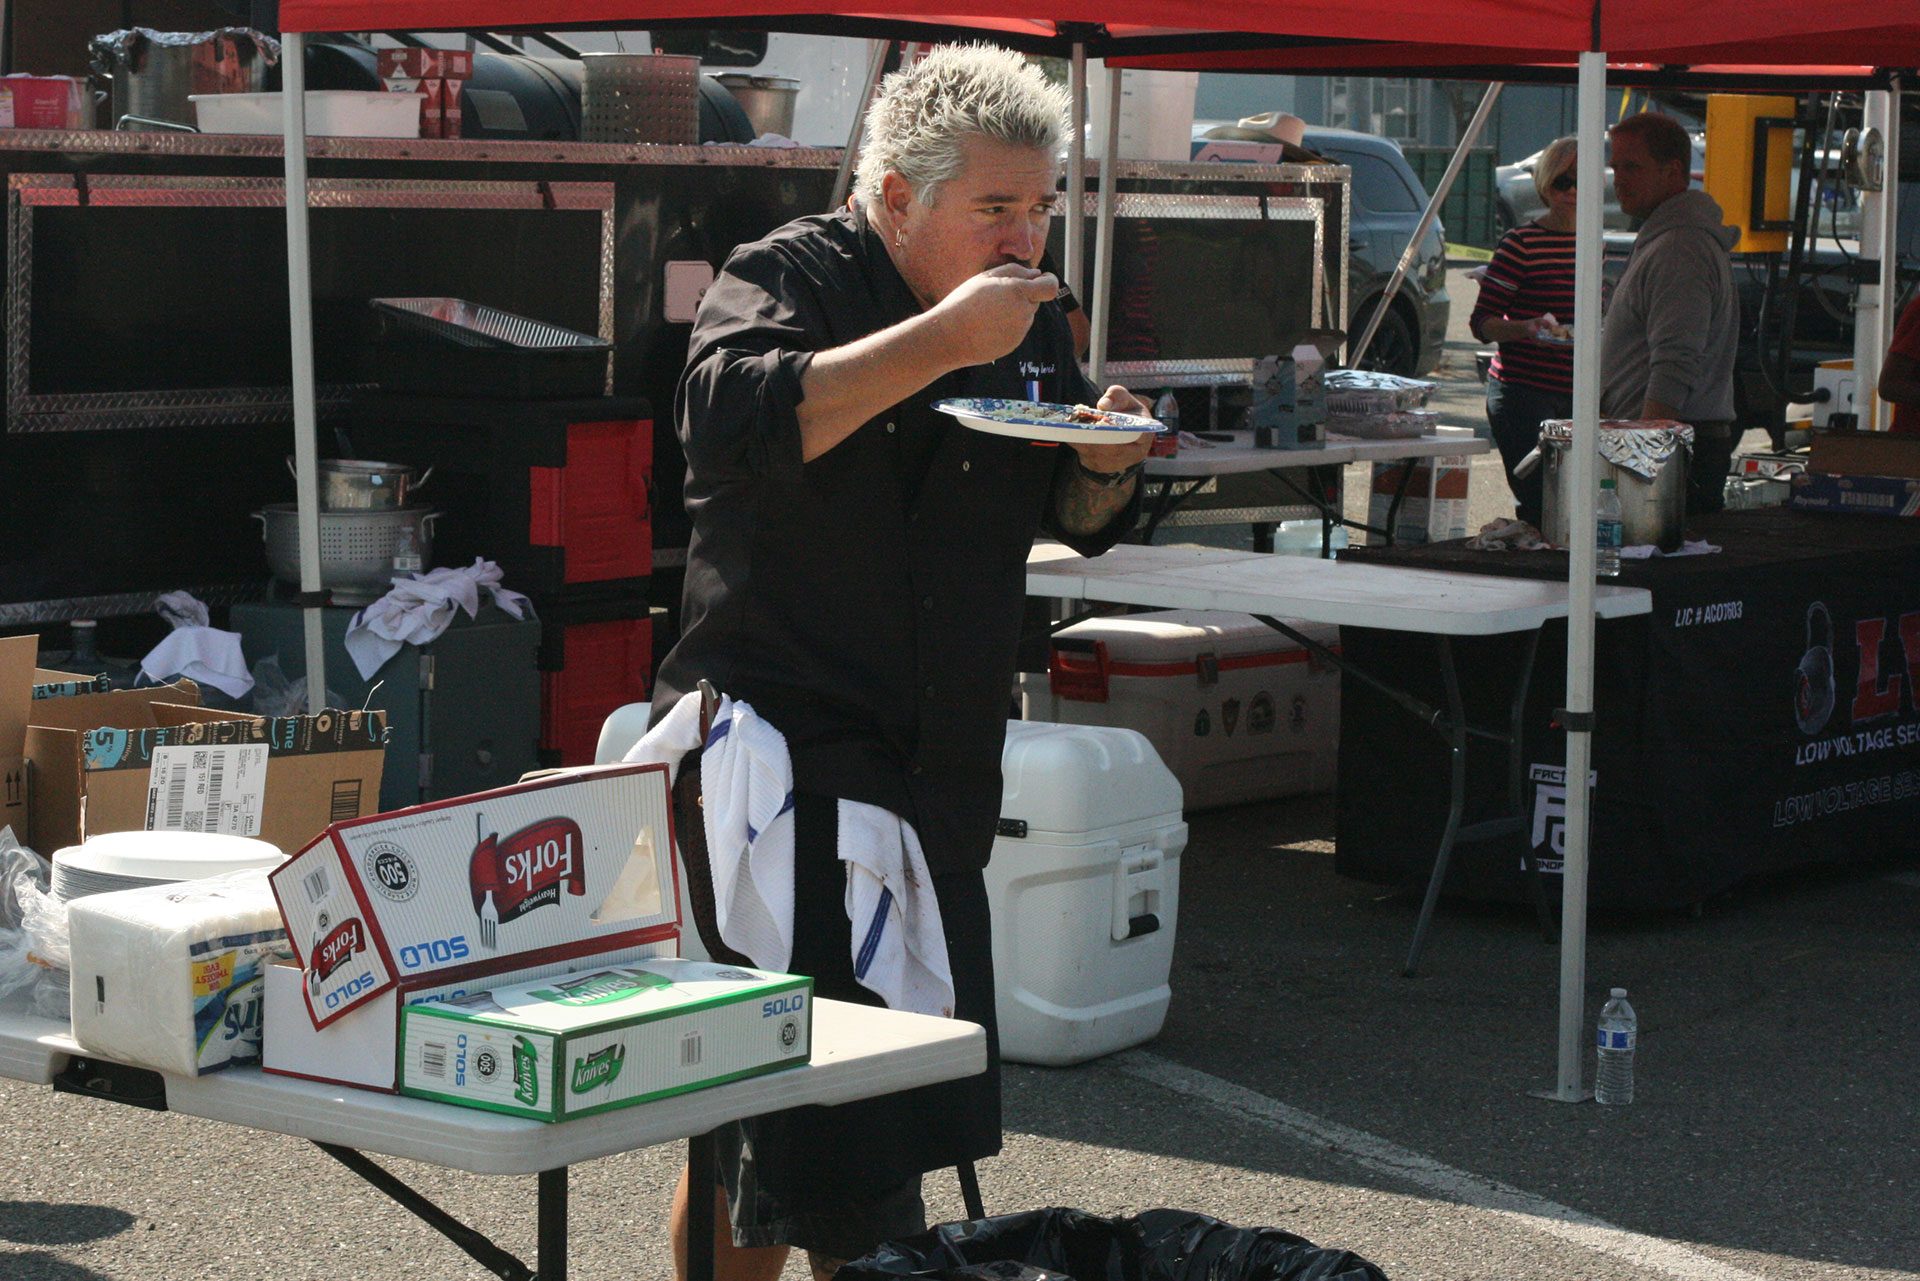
point(1833, 210)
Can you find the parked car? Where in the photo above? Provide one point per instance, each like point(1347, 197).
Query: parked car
point(1516, 200)
point(1387, 202)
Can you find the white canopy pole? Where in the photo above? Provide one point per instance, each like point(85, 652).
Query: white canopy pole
point(1103, 232)
point(1074, 247)
point(876, 62)
point(293, 78)
point(1873, 308)
point(1583, 466)
point(1355, 350)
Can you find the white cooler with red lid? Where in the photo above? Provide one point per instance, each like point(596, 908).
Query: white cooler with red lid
point(1084, 886)
point(1238, 711)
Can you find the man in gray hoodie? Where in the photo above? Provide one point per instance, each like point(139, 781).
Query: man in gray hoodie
point(1667, 347)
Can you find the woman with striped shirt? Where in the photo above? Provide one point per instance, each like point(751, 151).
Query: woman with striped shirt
point(1530, 279)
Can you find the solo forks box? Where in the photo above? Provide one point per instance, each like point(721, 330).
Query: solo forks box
point(543, 871)
point(556, 1049)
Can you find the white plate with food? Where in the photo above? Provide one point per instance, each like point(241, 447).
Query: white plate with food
point(1560, 336)
point(1038, 420)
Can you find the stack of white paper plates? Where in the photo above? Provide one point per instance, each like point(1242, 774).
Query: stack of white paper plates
point(126, 860)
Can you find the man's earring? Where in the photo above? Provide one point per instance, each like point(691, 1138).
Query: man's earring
point(899, 242)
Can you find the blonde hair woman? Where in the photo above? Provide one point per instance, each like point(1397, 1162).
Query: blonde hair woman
point(1529, 280)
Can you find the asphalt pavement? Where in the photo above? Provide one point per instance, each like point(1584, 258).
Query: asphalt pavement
point(1300, 1082)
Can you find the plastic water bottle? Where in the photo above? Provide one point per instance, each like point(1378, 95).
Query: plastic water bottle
point(1167, 410)
point(1610, 531)
point(1613, 1082)
point(85, 657)
point(407, 558)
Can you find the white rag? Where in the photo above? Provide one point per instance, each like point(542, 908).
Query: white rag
point(182, 609)
point(899, 945)
point(420, 607)
point(746, 781)
point(899, 942)
point(203, 654)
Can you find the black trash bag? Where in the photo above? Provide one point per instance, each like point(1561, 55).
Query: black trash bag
point(1058, 1245)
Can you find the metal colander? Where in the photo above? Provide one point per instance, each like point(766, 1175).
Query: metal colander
point(356, 547)
point(640, 97)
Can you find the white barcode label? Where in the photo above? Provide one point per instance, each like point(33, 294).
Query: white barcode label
point(433, 1058)
point(208, 789)
point(690, 1049)
point(316, 885)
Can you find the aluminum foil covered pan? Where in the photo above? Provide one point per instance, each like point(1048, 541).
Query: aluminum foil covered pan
point(1640, 446)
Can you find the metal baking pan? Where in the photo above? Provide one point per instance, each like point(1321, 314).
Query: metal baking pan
point(450, 346)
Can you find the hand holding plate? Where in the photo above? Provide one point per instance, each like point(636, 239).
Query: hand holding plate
point(1121, 454)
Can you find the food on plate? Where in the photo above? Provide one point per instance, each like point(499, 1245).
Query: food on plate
point(1041, 421)
point(1085, 415)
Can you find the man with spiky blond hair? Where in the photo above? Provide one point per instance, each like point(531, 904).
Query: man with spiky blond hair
point(857, 575)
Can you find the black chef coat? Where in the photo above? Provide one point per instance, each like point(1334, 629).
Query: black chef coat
point(868, 603)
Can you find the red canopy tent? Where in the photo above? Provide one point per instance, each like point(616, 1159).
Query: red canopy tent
point(1356, 34)
point(1798, 33)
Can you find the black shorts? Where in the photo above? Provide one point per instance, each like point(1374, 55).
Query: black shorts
point(841, 1180)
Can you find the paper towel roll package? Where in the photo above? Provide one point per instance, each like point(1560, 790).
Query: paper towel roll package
point(170, 976)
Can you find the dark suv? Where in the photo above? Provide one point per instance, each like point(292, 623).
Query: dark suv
point(1387, 202)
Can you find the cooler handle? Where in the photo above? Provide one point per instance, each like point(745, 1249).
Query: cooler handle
point(1139, 881)
point(1077, 669)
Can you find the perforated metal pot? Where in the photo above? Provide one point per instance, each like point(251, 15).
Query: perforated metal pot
point(356, 547)
point(360, 484)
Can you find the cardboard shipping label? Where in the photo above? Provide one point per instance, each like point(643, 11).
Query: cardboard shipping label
point(553, 1049)
point(208, 789)
point(542, 871)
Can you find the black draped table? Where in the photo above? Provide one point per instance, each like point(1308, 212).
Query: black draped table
point(1765, 715)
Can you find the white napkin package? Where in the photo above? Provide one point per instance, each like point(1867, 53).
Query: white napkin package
point(169, 977)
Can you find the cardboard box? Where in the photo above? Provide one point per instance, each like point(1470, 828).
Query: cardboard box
point(422, 64)
point(1864, 453)
point(1434, 508)
point(1859, 495)
point(437, 75)
point(48, 684)
point(45, 102)
point(17, 655)
point(607, 1039)
point(362, 1048)
point(563, 866)
point(433, 102)
point(148, 759)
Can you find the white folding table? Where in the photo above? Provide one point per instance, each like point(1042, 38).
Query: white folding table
point(858, 1051)
point(1304, 589)
point(1198, 463)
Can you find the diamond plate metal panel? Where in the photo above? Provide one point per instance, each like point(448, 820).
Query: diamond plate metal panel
point(118, 605)
point(1181, 373)
point(27, 413)
point(1216, 171)
point(201, 407)
point(268, 146)
point(1239, 515)
point(1248, 208)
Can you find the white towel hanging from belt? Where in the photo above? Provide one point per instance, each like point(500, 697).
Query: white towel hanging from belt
point(899, 948)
